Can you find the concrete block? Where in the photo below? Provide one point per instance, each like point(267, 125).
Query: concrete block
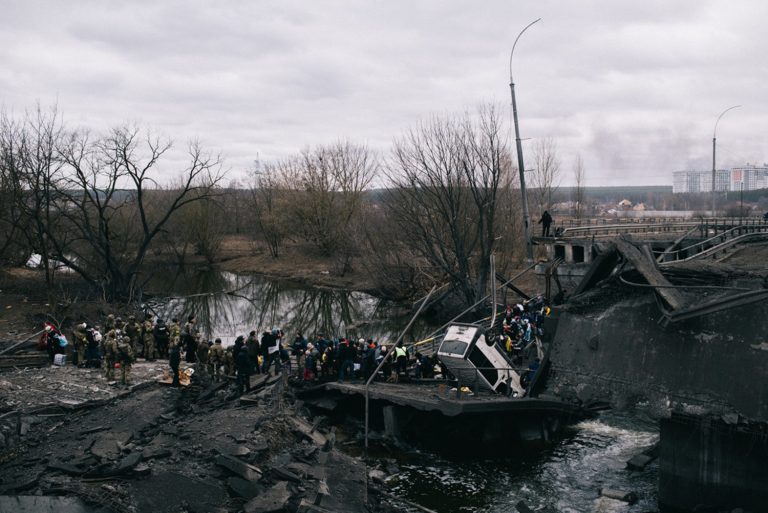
point(619, 495)
point(242, 469)
point(284, 474)
point(273, 500)
point(391, 425)
point(639, 462)
point(242, 488)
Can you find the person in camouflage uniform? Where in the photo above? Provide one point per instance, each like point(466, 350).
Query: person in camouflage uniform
point(229, 361)
point(119, 324)
point(175, 333)
point(149, 339)
point(81, 343)
point(202, 356)
point(126, 359)
point(216, 358)
point(110, 355)
point(133, 330)
point(109, 324)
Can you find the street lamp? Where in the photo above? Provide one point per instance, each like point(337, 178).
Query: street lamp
point(714, 139)
point(519, 146)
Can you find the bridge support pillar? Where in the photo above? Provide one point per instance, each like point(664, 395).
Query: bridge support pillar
point(568, 254)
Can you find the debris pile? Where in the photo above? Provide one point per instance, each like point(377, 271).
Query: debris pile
point(202, 448)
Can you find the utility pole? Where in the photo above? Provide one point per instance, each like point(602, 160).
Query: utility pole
point(714, 150)
point(519, 147)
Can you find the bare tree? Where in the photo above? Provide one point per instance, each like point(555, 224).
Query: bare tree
point(445, 176)
point(113, 227)
point(13, 221)
point(271, 204)
point(32, 170)
point(579, 177)
point(545, 179)
point(331, 182)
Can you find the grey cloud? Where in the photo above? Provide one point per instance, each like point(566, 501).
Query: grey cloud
point(633, 87)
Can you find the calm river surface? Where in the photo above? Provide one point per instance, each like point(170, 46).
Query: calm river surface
point(565, 477)
point(228, 305)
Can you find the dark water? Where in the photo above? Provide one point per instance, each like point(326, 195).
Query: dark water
point(564, 478)
point(228, 305)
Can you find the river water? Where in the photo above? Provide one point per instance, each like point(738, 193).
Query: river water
point(228, 305)
point(564, 477)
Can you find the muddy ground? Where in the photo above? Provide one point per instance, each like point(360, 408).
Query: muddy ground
point(69, 435)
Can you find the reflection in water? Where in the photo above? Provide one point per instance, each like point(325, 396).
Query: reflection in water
point(228, 305)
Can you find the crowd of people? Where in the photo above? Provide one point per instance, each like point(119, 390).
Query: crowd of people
point(319, 359)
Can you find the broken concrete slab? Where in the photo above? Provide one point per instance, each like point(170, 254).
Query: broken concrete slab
point(347, 486)
point(107, 446)
point(283, 474)
point(156, 453)
point(305, 470)
point(639, 462)
point(164, 492)
point(619, 495)
point(124, 466)
point(273, 500)
point(242, 469)
point(23, 484)
point(72, 470)
point(242, 488)
point(43, 504)
point(303, 428)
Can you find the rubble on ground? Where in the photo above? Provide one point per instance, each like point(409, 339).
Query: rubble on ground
point(73, 441)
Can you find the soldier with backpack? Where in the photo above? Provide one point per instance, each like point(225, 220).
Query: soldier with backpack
point(125, 357)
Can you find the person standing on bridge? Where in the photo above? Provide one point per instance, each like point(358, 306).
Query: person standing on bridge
point(545, 222)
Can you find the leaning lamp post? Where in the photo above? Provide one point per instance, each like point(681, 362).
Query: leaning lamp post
point(519, 147)
point(714, 140)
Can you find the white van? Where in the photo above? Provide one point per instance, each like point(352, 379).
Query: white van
point(468, 354)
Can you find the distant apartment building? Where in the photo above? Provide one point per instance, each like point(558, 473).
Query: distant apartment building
point(747, 178)
point(700, 181)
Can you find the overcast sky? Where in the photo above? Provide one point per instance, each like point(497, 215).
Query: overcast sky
point(634, 87)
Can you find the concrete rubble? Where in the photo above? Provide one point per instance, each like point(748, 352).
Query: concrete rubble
point(71, 442)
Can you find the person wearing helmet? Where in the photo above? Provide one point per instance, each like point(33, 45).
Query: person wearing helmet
point(133, 329)
point(216, 359)
point(125, 358)
point(109, 324)
point(110, 355)
point(147, 330)
point(80, 342)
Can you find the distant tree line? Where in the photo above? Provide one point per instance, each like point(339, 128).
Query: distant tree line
point(430, 212)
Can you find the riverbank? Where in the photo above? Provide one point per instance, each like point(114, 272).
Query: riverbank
point(299, 263)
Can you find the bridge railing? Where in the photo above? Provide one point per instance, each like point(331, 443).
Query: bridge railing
point(709, 226)
point(711, 244)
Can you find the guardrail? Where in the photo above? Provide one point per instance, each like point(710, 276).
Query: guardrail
point(707, 226)
point(716, 243)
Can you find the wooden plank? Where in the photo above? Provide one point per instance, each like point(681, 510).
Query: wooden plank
point(26, 340)
point(651, 273)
